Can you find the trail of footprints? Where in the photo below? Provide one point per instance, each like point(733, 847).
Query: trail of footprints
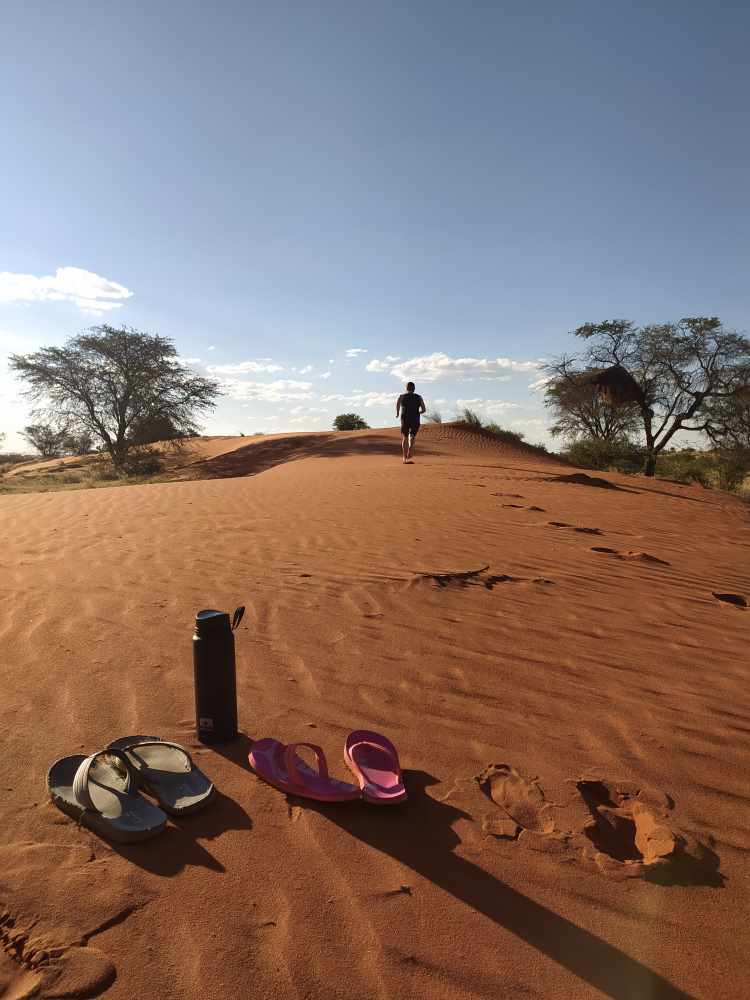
point(628, 833)
point(46, 971)
point(477, 577)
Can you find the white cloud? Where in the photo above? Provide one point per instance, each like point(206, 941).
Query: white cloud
point(306, 370)
point(190, 361)
point(432, 367)
point(242, 367)
point(326, 375)
point(211, 348)
point(392, 357)
point(331, 361)
point(362, 398)
point(354, 351)
point(268, 392)
point(536, 422)
point(541, 383)
point(308, 409)
point(491, 407)
point(90, 292)
point(312, 422)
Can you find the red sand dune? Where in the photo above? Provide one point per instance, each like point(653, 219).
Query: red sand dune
point(456, 605)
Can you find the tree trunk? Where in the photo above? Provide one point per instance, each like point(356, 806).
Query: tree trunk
point(649, 469)
point(118, 453)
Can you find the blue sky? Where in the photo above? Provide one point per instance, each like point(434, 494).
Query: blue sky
point(276, 185)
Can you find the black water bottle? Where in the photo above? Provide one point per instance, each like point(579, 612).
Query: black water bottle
point(215, 675)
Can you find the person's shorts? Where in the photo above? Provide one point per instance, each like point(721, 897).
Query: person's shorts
point(409, 428)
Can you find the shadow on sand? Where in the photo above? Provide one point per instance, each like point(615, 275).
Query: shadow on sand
point(582, 479)
point(420, 836)
point(262, 455)
point(179, 845)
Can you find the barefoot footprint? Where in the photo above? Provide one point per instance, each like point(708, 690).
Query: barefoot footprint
point(521, 801)
point(628, 827)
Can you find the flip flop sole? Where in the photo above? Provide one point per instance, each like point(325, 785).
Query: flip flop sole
point(177, 792)
point(134, 818)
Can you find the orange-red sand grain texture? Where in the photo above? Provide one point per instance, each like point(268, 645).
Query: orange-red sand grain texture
point(598, 654)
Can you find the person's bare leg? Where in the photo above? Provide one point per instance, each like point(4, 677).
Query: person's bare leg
point(405, 447)
point(412, 439)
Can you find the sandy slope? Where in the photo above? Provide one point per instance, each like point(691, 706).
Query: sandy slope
point(558, 660)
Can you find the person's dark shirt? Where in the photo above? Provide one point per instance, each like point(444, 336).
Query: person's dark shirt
point(410, 404)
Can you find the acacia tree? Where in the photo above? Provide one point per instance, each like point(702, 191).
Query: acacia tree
point(728, 420)
point(110, 382)
point(48, 439)
point(580, 410)
point(682, 368)
point(350, 422)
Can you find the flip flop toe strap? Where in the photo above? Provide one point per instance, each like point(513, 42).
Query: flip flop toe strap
point(141, 764)
point(370, 743)
point(290, 760)
point(81, 792)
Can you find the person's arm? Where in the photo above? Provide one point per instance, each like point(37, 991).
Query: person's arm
point(398, 406)
point(422, 407)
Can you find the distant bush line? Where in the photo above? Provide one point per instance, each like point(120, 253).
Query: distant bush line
point(724, 468)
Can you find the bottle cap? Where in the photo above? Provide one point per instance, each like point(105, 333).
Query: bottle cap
point(212, 620)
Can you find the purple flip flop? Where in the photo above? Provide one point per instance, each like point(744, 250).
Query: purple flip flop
point(373, 760)
point(280, 766)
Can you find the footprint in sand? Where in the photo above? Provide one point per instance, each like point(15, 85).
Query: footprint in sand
point(631, 835)
point(583, 531)
point(634, 556)
point(624, 828)
point(32, 968)
point(626, 831)
point(736, 599)
point(522, 803)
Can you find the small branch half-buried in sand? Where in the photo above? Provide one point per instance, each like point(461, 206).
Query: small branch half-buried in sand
point(443, 579)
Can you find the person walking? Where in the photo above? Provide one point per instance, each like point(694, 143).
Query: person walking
point(409, 407)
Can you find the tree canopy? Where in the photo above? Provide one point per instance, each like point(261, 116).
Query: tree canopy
point(350, 422)
point(684, 370)
point(49, 440)
point(728, 420)
point(579, 408)
point(114, 382)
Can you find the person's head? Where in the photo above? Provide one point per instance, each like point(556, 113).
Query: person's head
point(410, 387)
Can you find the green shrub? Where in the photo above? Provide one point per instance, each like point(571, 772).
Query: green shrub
point(686, 466)
point(103, 473)
point(732, 468)
point(470, 418)
point(146, 463)
point(510, 437)
point(9, 458)
point(595, 453)
point(349, 422)
point(433, 417)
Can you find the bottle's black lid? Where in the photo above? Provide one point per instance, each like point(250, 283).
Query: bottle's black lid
point(212, 619)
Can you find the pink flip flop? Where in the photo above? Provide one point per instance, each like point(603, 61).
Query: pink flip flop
point(281, 767)
point(374, 762)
